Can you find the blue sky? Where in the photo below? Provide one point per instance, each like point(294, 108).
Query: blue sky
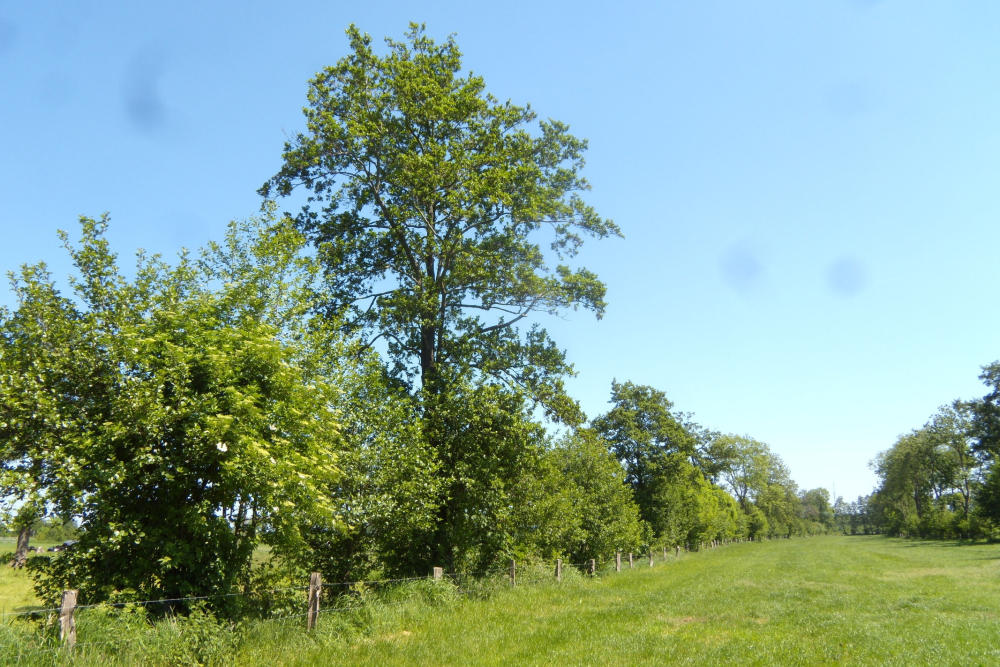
point(808, 190)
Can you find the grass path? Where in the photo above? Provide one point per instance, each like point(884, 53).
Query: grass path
point(830, 600)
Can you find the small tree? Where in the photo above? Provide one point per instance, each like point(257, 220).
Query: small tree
point(183, 424)
point(602, 510)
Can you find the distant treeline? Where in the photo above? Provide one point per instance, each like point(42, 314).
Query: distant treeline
point(940, 480)
point(352, 386)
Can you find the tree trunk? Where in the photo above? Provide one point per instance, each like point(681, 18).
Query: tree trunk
point(21, 553)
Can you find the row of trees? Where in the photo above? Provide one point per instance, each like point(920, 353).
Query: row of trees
point(940, 480)
point(351, 386)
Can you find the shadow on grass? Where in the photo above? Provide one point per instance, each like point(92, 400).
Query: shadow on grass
point(918, 542)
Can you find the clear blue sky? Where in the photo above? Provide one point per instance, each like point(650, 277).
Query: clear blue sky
point(808, 189)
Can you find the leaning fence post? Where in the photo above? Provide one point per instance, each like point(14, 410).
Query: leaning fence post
point(315, 588)
point(618, 561)
point(513, 572)
point(631, 564)
point(438, 572)
point(558, 569)
point(593, 566)
point(67, 620)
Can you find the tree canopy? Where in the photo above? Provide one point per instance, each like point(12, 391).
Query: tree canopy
point(178, 424)
point(424, 193)
point(363, 386)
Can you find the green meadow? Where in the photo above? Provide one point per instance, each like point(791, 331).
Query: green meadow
point(16, 590)
point(817, 601)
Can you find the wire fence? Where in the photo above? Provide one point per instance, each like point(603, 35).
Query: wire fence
point(350, 596)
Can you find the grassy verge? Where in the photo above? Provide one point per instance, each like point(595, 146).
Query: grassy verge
point(832, 600)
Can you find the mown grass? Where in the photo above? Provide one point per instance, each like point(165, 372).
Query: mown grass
point(16, 587)
point(828, 600)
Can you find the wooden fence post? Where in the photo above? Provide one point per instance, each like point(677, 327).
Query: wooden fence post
point(593, 566)
point(438, 572)
point(618, 561)
point(664, 551)
point(678, 554)
point(558, 569)
point(315, 588)
point(513, 572)
point(651, 558)
point(67, 620)
point(631, 563)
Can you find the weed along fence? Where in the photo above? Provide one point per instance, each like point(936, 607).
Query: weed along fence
point(55, 630)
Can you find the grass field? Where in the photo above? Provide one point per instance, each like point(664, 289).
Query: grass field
point(16, 593)
point(818, 601)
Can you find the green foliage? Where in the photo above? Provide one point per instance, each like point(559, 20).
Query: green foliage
point(745, 465)
point(178, 423)
point(590, 512)
point(930, 477)
point(199, 638)
point(427, 191)
point(816, 511)
point(762, 485)
point(425, 194)
point(985, 413)
point(671, 464)
point(355, 387)
point(55, 530)
point(857, 517)
point(690, 509)
point(487, 446)
point(389, 491)
point(650, 442)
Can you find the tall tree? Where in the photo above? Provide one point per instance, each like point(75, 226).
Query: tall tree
point(658, 449)
point(816, 507)
point(985, 429)
point(952, 434)
point(424, 193)
point(641, 428)
point(426, 196)
point(745, 465)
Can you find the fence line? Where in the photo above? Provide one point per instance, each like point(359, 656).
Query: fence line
point(69, 607)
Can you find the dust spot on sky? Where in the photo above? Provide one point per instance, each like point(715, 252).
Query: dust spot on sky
point(847, 276)
point(141, 96)
point(8, 35)
point(741, 268)
point(849, 98)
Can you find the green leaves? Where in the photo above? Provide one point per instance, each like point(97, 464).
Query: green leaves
point(424, 194)
point(930, 476)
point(178, 417)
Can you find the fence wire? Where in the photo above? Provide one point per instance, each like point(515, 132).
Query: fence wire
point(524, 574)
